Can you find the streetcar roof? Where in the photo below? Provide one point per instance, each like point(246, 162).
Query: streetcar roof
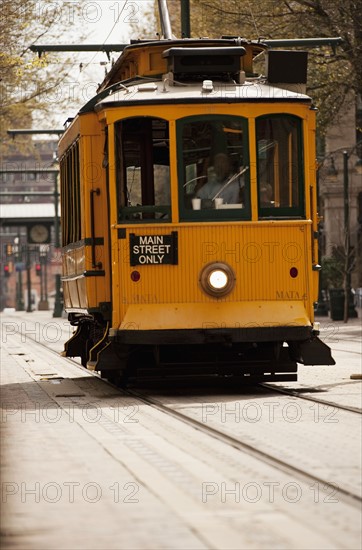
point(154, 92)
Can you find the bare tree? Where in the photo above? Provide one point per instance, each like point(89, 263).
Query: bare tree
point(27, 81)
point(332, 74)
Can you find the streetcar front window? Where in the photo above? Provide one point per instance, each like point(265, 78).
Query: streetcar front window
point(213, 168)
point(279, 166)
point(143, 170)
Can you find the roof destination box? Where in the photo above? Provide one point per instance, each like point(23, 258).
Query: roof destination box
point(287, 66)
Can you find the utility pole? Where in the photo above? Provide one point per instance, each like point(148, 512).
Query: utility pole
point(185, 19)
point(349, 310)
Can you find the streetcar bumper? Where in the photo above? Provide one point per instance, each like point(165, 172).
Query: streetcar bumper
point(215, 315)
point(224, 323)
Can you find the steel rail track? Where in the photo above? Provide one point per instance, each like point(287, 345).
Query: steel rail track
point(346, 495)
point(267, 458)
point(296, 393)
point(347, 350)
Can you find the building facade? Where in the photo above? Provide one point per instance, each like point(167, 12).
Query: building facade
point(337, 180)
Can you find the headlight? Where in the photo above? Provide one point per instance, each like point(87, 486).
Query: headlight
point(217, 279)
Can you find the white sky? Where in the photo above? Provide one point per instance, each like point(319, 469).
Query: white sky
point(99, 22)
point(110, 21)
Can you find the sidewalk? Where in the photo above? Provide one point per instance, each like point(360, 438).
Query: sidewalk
point(38, 325)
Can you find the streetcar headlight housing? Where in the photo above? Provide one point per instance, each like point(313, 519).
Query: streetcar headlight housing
point(217, 279)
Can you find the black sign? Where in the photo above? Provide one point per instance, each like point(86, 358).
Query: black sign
point(153, 249)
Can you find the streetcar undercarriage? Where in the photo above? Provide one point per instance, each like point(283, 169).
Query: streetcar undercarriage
point(268, 353)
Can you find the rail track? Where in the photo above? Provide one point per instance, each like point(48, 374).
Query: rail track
point(331, 490)
point(297, 393)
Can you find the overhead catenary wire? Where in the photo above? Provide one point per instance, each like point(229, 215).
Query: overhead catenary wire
point(108, 35)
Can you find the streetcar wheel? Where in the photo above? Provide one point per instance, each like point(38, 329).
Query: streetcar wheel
point(118, 378)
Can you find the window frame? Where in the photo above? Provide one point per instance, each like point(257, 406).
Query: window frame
point(283, 212)
point(70, 178)
point(210, 214)
point(125, 213)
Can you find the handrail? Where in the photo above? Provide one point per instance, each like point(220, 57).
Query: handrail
point(93, 192)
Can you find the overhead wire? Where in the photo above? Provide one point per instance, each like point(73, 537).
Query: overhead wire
point(84, 65)
point(108, 35)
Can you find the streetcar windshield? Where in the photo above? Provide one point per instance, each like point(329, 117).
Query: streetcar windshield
point(213, 168)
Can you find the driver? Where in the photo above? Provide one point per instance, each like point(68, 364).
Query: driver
point(217, 186)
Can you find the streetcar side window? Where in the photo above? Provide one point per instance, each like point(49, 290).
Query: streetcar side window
point(143, 170)
point(280, 166)
point(213, 168)
point(70, 195)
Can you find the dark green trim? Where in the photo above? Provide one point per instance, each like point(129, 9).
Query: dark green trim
point(148, 209)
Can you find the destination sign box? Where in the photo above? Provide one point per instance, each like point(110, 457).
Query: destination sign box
point(154, 249)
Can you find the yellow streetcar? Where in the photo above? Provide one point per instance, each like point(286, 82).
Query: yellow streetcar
point(189, 214)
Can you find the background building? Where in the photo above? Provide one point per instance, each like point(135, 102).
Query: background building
point(342, 136)
point(28, 265)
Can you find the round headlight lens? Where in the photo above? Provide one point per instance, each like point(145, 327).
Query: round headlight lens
point(217, 279)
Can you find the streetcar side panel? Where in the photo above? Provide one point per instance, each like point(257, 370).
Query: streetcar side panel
point(84, 203)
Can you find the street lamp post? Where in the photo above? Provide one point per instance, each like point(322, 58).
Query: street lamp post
point(349, 309)
point(321, 307)
point(58, 305)
point(344, 253)
point(346, 279)
point(28, 279)
point(19, 270)
point(43, 260)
